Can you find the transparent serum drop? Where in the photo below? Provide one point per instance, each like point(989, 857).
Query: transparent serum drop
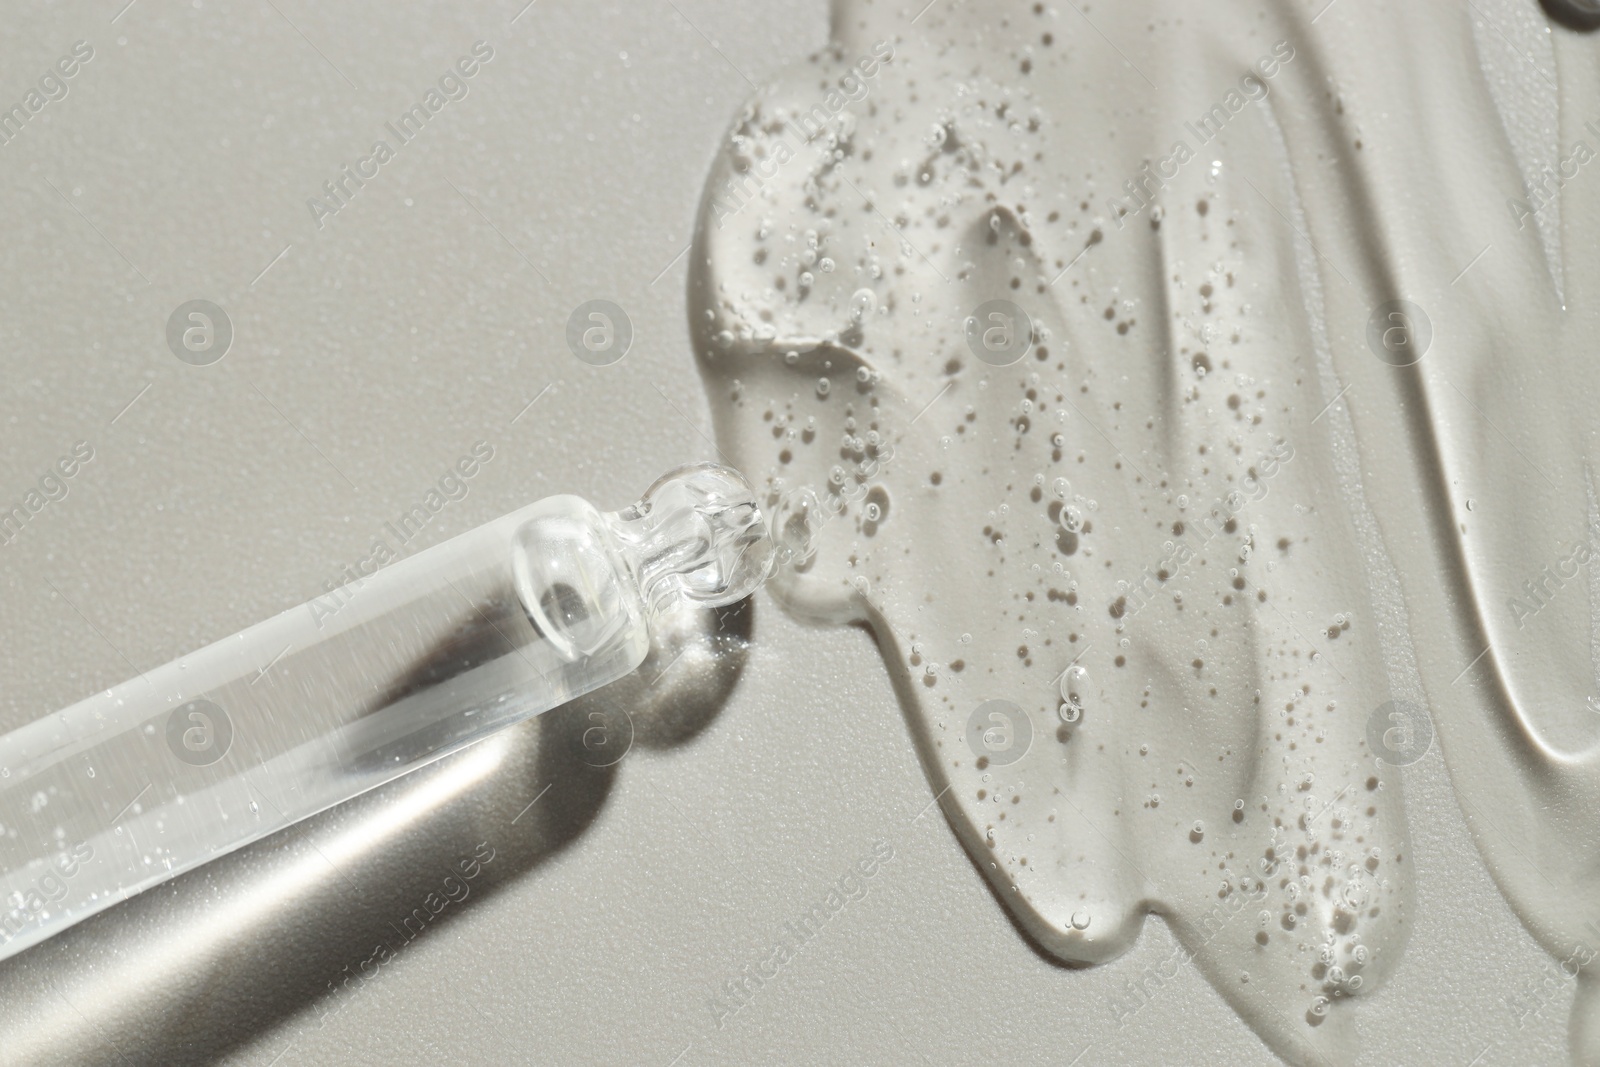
point(262, 729)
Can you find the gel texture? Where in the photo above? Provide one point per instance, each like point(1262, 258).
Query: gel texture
point(1200, 533)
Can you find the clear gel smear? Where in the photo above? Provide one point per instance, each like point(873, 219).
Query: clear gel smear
point(222, 747)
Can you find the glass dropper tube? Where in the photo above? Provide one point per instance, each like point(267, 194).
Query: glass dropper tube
point(219, 748)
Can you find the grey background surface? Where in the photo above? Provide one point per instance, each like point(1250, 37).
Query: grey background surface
point(368, 355)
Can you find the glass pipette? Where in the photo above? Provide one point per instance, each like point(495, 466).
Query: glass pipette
point(191, 760)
